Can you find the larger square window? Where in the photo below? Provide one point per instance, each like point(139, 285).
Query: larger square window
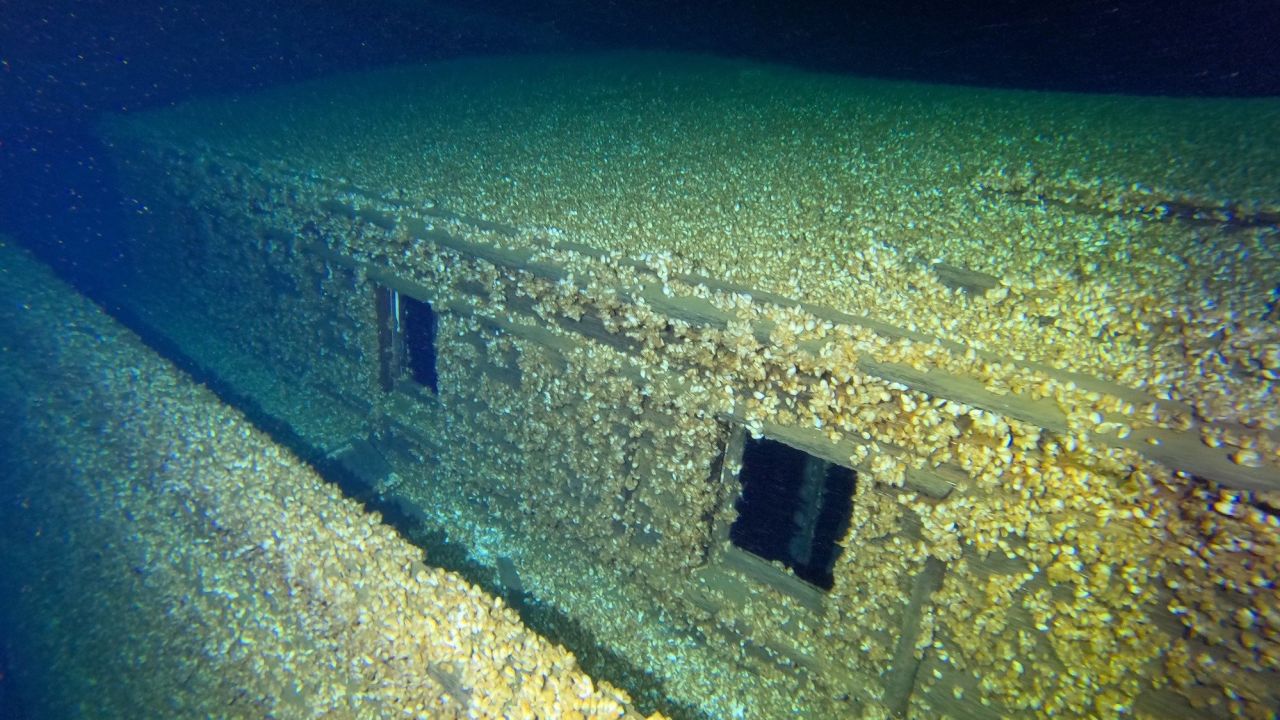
point(794, 507)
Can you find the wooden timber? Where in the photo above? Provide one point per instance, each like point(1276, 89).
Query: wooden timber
point(1180, 450)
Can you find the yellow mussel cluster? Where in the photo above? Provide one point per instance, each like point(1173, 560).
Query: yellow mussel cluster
point(220, 573)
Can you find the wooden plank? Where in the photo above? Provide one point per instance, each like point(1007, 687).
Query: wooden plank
point(905, 665)
point(1167, 704)
point(1183, 451)
point(959, 278)
point(1041, 413)
point(942, 701)
point(731, 457)
point(936, 482)
point(733, 581)
point(766, 573)
point(518, 259)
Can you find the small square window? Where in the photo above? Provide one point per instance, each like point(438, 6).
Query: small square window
point(794, 507)
point(418, 323)
point(408, 337)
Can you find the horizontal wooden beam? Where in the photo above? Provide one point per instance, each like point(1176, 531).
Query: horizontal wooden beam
point(1180, 450)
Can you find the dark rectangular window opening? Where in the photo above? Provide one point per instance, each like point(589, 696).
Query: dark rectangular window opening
point(418, 324)
point(408, 338)
point(794, 508)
